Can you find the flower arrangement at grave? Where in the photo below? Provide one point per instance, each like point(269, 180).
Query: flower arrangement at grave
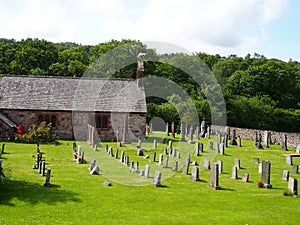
point(260, 184)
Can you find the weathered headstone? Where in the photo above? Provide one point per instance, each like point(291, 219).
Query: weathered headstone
point(214, 176)
point(227, 131)
point(131, 165)
point(140, 152)
point(142, 172)
point(74, 146)
point(92, 164)
point(234, 173)
point(160, 159)
point(225, 140)
point(170, 145)
point(157, 179)
point(211, 145)
point(237, 163)
point(136, 167)
point(206, 164)
point(153, 156)
point(208, 132)
point(174, 152)
point(298, 148)
point(220, 163)
point(175, 168)
point(178, 155)
point(289, 160)
point(258, 141)
point(293, 186)
point(256, 160)
point(266, 139)
point(202, 128)
point(259, 167)
point(222, 149)
point(295, 169)
point(265, 175)
point(95, 148)
point(147, 170)
point(95, 170)
point(197, 149)
point(239, 141)
point(167, 129)
point(126, 160)
point(154, 143)
point(122, 157)
point(182, 132)
point(185, 168)
point(217, 148)
point(283, 142)
point(219, 137)
point(165, 151)
point(286, 175)
point(245, 177)
point(195, 173)
point(173, 130)
point(191, 141)
point(197, 133)
point(48, 175)
point(166, 162)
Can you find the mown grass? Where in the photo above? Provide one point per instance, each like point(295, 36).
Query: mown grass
point(76, 197)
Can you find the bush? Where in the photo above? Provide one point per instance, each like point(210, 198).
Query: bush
point(37, 134)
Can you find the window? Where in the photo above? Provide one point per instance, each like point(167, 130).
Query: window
point(102, 121)
point(48, 118)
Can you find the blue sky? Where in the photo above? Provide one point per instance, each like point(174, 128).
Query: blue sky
point(267, 27)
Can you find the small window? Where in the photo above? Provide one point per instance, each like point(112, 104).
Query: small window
point(47, 119)
point(98, 122)
point(104, 122)
point(53, 121)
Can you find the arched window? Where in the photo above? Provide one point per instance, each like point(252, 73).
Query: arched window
point(40, 119)
point(47, 119)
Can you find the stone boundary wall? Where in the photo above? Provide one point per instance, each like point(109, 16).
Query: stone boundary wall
point(292, 138)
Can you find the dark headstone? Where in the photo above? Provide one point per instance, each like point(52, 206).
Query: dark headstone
point(48, 175)
point(284, 142)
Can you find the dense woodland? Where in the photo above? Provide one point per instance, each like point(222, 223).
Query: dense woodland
point(259, 92)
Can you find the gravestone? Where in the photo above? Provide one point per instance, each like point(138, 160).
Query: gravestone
point(147, 170)
point(206, 164)
point(43, 167)
point(131, 165)
point(237, 163)
point(234, 173)
point(289, 160)
point(173, 130)
point(214, 177)
point(267, 139)
point(188, 157)
point(165, 151)
point(95, 170)
point(167, 129)
point(92, 164)
point(157, 179)
point(219, 137)
point(153, 156)
point(298, 148)
point(293, 186)
point(227, 131)
point(197, 133)
point(178, 155)
point(174, 152)
point(160, 159)
point(259, 167)
point(211, 145)
point(197, 149)
point(175, 168)
point(95, 148)
point(142, 172)
point(40, 167)
point(166, 162)
point(106, 149)
point(220, 163)
point(117, 153)
point(295, 169)
point(283, 142)
point(286, 175)
point(154, 143)
point(233, 139)
point(126, 160)
point(225, 140)
point(239, 141)
point(182, 132)
point(170, 145)
point(140, 152)
point(265, 175)
point(208, 132)
point(74, 146)
point(191, 141)
point(195, 173)
point(48, 175)
point(258, 141)
point(256, 160)
point(136, 167)
point(201, 149)
point(222, 149)
point(122, 157)
point(217, 148)
point(185, 168)
point(245, 177)
point(202, 128)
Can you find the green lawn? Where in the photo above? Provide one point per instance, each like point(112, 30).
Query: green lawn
point(76, 197)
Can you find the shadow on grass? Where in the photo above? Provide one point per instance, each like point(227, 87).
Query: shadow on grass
point(33, 193)
point(226, 189)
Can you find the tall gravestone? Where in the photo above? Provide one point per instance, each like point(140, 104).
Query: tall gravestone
point(122, 157)
point(293, 186)
point(206, 164)
point(153, 156)
point(295, 169)
point(167, 129)
point(175, 168)
point(154, 143)
point(222, 149)
point(214, 176)
point(191, 141)
point(195, 173)
point(197, 133)
point(160, 159)
point(182, 132)
point(286, 175)
point(202, 128)
point(284, 142)
point(245, 177)
point(266, 172)
point(166, 162)
point(220, 163)
point(298, 148)
point(266, 139)
point(157, 179)
point(233, 139)
point(185, 169)
point(237, 163)
point(147, 171)
point(234, 173)
point(197, 149)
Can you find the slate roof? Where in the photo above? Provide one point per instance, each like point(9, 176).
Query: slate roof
point(69, 94)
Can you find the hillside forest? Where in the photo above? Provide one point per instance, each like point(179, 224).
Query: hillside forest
point(259, 93)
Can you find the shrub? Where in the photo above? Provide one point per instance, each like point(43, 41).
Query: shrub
point(37, 134)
